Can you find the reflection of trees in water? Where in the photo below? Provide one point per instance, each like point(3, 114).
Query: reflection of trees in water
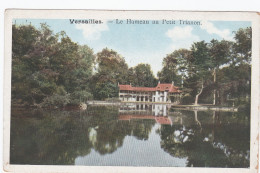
point(142, 128)
point(55, 138)
point(221, 142)
point(232, 137)
point(59, 137)
point(196, 119)
point(110, 136)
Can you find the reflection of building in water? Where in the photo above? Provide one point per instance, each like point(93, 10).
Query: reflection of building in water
point(166, 93)
point(158, 119)
point(142, 111)
point(155, 109)
point(159, 110)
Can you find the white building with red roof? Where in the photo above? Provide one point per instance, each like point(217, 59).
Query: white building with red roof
point(163, 93)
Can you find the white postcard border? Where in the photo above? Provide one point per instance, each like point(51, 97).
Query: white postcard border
point(108, 14)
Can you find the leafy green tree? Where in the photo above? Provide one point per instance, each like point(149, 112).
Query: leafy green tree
point(243, 46)
point(202, 65)
point(31, 63)
point(144, 76)
point(112, 65)
point(81, 76)
point(131, 77)
point(44, 63)
point(112, 69)
point(235, 79)
point(106, 90)
point(220, 53)
point(174, 67)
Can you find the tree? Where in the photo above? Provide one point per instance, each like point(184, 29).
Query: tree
point(82, 74)
point(175, 67)
point(144, 76)
point(112, 69)
point(31, 63)
point(235, 77)
point(220, 52)
point(243, 46)
point(131, 77)
point(107, 90)
point(48, 68)
point(23, 38)
point(202, 65)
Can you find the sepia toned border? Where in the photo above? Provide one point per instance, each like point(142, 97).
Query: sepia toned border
point(253, 17)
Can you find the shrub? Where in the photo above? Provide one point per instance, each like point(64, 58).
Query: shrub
point(56, 101)
point(78, 97)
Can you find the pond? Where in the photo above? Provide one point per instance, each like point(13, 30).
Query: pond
point(130, 135)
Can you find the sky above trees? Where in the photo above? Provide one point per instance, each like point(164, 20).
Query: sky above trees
point(141, 43)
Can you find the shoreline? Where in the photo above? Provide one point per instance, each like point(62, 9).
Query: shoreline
point(83, 106)
point(202, 107)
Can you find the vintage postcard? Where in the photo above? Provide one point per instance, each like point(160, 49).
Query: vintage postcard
point(131, 91)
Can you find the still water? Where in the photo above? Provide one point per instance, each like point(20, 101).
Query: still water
point(130, 135)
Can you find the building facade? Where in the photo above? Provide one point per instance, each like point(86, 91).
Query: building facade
point(163, 93)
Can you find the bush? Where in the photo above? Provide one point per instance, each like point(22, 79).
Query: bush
point(78, 97)
point(187, 99)
point(56, 101)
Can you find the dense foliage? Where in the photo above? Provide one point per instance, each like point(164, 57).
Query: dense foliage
point(218, 72)
point(49, 69)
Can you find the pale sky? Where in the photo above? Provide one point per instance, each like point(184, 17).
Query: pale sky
point(141, 43)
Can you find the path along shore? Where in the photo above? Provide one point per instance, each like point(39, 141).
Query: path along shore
point(202, 107)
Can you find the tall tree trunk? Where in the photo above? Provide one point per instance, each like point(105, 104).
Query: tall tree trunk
point(214, 92)
point(197, 96)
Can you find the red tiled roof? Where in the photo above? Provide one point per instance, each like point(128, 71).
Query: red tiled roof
point(160, 87)
point(125, 87)
point(130, 88)
point(166, 87)
point(143, 89)
point(163, 120)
